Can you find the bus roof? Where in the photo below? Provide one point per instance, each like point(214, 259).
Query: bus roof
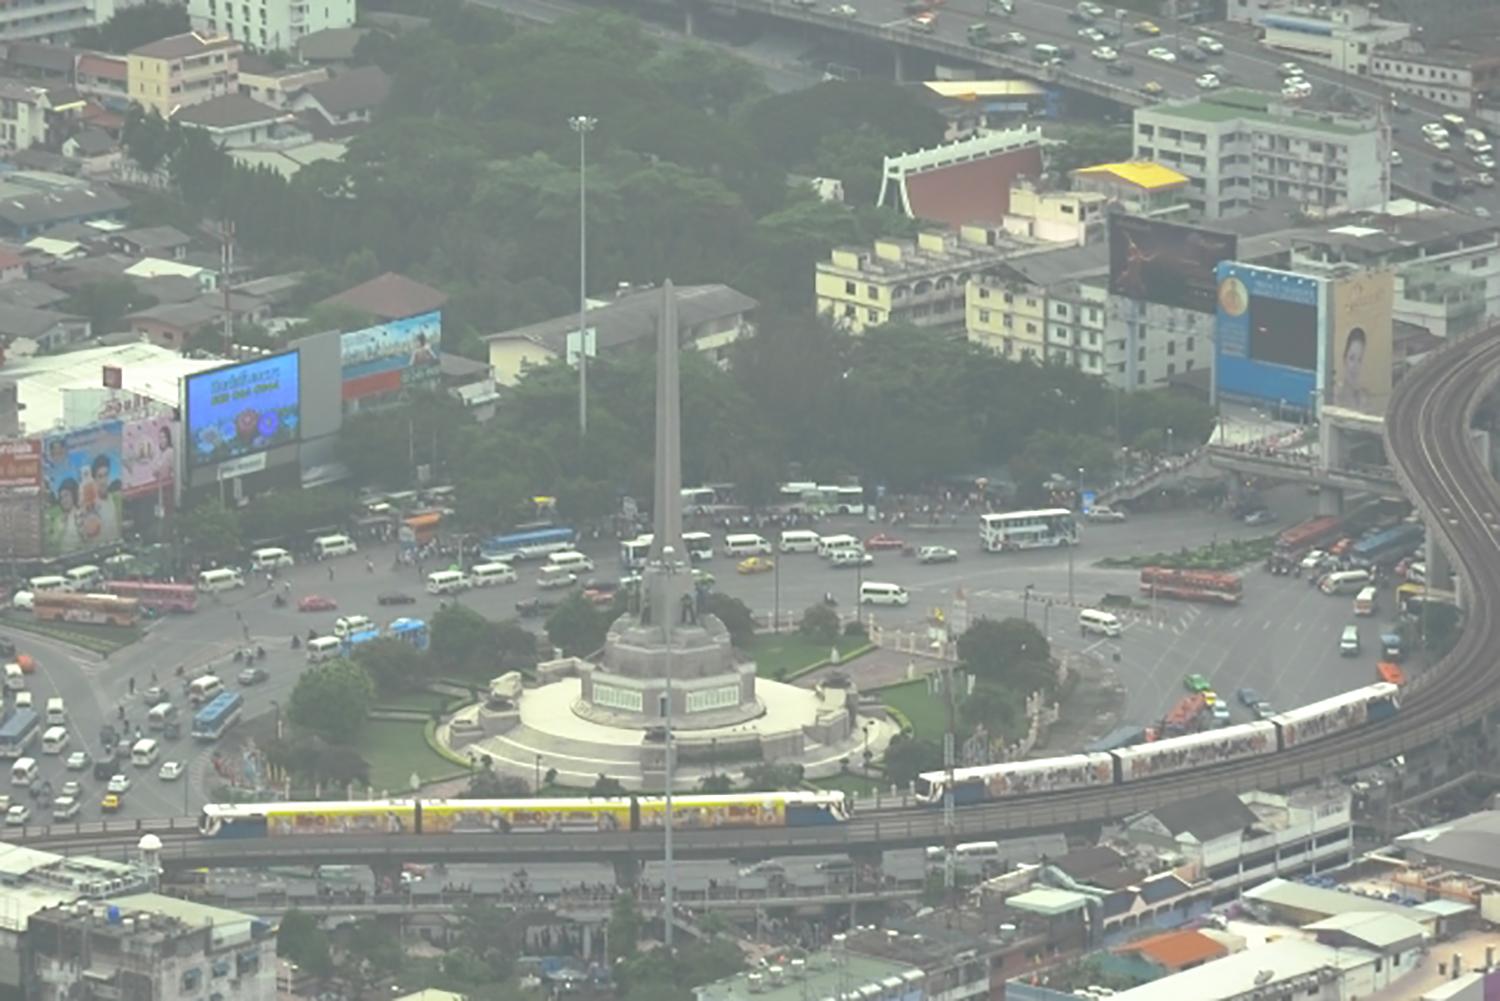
point(1045, 512)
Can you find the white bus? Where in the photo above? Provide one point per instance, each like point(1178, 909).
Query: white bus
point(633, 552)
point(1010, 530)
point(699, 545)
point(826, 498)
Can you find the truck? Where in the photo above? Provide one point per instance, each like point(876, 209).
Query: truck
point(1192, 585)
point(18, 731)
point(1310, 534)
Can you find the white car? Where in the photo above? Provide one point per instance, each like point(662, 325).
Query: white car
point(18, 814)
point(169, 770)
point(78, 761)
point(1208, 82)
point(1209, 43)
point(1289, 69)
point(850, 558)
point(846, 10)
point(1091, 9)
point(119, 785)
point(1439, 143)
point(21, 600)
point(1485, 180)
point(1486, 161)
point(65, 808)
point(1395, 158)
point(1105, 54)
point(1091, 35)
point(1162, 54)
point(937, 554)
point(1105, 514)
point(71, 788)
point(1013, 38)
point(1296, 90)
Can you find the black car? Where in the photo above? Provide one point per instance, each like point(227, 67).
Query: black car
point(395, 598)
point(106, 766)
point(1118, 68)
point(7, 647)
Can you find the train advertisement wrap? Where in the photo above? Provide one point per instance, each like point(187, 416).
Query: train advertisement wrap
point(538, 817)
point(1268, 335)
point(725, 811)
point(243, 409)
point(312, 819)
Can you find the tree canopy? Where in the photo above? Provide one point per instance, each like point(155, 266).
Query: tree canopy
point(332, 700)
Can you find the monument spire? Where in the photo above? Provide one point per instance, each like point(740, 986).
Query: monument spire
point(667, 580)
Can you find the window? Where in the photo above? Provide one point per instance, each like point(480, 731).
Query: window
point(1188, 367)
point(1379, 965)
point(1479, 262)
point(1171, 368)
point(849, 288)
point(1007, 298)
point(849, 311)
point(1171, 347)
point(1140, 378)
point(984, 316)
point(873, 315)
point(872, 292)
point(1031, 328)
point(1189, 346)
point(1140, 354)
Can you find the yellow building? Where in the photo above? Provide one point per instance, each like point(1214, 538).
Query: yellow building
point(1140, 187)
point(1049, 306)
point(920, 281)
point(1055, 216)
point(174, 72)
point(1007, 314)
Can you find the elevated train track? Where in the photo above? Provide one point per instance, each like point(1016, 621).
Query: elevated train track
point(1431, 450)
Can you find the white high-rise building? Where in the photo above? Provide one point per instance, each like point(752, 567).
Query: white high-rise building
point(269, 25)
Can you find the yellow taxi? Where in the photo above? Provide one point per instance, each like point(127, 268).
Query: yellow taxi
point(110, 803)
point(756, 564)
point(1153, 88)
point(1147, 28)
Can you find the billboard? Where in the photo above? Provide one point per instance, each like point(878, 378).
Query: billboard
point(21, 464)
point(149, 450)
point(1166, 263)
point(82, 471)
point(241, 409)
point(1268, 334)
point(1360, 335)
point(390, 357)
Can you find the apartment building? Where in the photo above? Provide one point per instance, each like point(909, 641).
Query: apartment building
point(1038, 213)
point(919, 281)
point(28, 111)
point(270, 25)
point(1136, 187)
point(174, 72)
point(1455, 78)
point(1057, 318)
point(51, 20)
point(1240, 147)
point(1344, 38)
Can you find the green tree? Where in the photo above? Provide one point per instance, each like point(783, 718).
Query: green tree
point(485, 784)
point(604, 785)
point(660, 975)
point(332, 700)
point(577, 626)
point(1008, 652)
point(820, 623)
point(312, 760)
point(491, 933)
point(624, 929)
point(210, 531)
point(132, 27)
point(716, 785)
point(706, 78)
point(854, 156)
point(994, 707)
point(1087, 145)
point(371, 953)
point(462, 641)
point(906, 758)
point(393, 665)
point(282, 513)
point(770, 777)
point(106, 303)
point(300, 940)
point(735, 615)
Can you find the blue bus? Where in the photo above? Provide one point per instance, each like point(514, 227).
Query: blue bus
point(1387, 544)
point(354, 641)
point(17, 732)
point(531, 544)
point(219, 715)
point(413, 631)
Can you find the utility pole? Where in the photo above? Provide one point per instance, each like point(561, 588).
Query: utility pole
point(226, 267)
point(950, 838)
point(583, 125)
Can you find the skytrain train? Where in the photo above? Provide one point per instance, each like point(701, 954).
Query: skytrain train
point(800, 808)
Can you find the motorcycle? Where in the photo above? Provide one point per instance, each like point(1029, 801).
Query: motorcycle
point(260, 652)
point(296, 642)
point(279, 601)
point(239, 656)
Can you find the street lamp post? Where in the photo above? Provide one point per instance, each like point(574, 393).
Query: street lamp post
point(1074, 541)
point(776, 593)
point(583, 125)
point(1026, 602)
point(537, 774)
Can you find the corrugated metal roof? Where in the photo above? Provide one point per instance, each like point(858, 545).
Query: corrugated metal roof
point(1142, 173)
point(1178, 949)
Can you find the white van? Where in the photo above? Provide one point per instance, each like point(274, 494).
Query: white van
point(872, 592)
point(486, 574)
point(550, 578)
point(325, 546)
point(23, 700)
point(54, 739)
point(1345, 582)
point(52, 583)
point(347, 625)
point(570, 560)
point(165, 712)
point(23, 772)
point(1366, 601)
point(15, 678)
point(446, 582)
point(799, 540)
point(270, 558)
point(222, 579)
point(323, 648)
point(699, 545)
point(1349, 642)
point(1092, 620)
point(144, 752)
point(746, 545)
point(987, 852)
point(85, 578)
point(829, 544)
point(57, 711)
point(204, 689)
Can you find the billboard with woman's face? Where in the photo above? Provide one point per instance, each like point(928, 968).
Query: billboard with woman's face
point(82, 473)
point(1360, 342)
point(149, 452)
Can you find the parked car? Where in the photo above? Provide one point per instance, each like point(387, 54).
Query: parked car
point(316, 603)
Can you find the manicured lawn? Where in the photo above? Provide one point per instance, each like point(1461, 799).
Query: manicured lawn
point(855, 785)
point(928, 713)
point(395, 750)
point(425, 701)
point(99, 639)
point(777, 655)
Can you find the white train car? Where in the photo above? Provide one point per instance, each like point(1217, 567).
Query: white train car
point(1017, 778)
point(1370, 704)
point(1196, 750)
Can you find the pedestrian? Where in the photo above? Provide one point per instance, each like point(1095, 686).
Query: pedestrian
point(286, 588)
point(130, 684)
point(330, 573)
point(369, 566)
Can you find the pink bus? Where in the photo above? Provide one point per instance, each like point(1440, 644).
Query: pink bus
point(158, 597)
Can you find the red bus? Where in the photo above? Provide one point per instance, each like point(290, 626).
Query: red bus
point(1308, 535)
point(98, 609)
point(158, 597)
point(1192, 585)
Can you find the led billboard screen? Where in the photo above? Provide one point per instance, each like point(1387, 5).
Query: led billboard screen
point(242, 409)
point(1166, 263)
point(1268, 333)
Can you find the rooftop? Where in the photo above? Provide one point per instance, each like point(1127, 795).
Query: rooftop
point(1375, 931)
point(146, 370)
point(183, 46)
point(822, 975)
point(390, 296)
point(1241, 104)
point(358, 89)
point(1270, 966)
point(632, 318)
point(155, 237)
point(1142, 173)
point(225, 924)
point(1047, 901)
point(31, 208)
point(21, 321)
point(1466, 844)
point(160, 267)
point(1176, 950)
point(31, 293)
point(1206, 817)
point(228, 111)
point(330, 45)
point(1317, 900)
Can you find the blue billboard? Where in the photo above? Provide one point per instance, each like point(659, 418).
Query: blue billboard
point(1267, 335)
point(242, 409)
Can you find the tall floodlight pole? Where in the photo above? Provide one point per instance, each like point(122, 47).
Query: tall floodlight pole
point(583, 125)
